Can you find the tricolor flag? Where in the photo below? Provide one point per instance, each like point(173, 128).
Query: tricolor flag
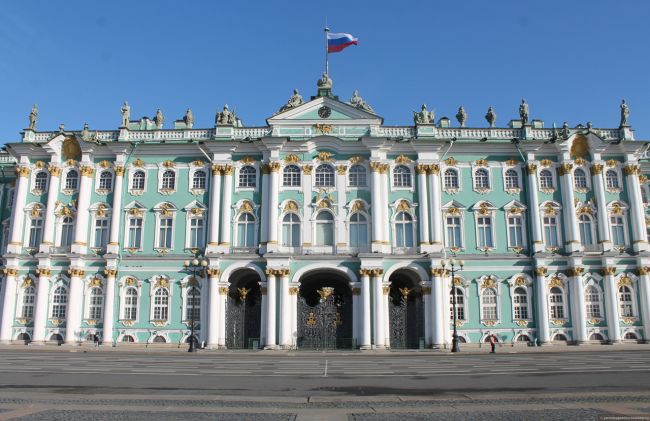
point(338, 41)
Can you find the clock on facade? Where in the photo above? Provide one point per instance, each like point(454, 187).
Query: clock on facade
point(324, 111)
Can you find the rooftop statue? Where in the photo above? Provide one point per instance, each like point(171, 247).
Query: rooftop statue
point(625, 113)
point(358, 102)
point(523, 112)
point(158, 119)
point(189, 118)
point(325, 82)
point(33, 116)
point(126, 114)
point(294, 101)
point(424, 116)
point(61, 128)
point(226, 117)
point(491, 116)
point(461, 116)
point(85, 133)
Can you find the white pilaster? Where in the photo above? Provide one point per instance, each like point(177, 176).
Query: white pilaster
point(543, 329)
point(375, 205)
point(637, 211)
point(306, 209)
point(341, 237)
point(436, 207)
point(293, 319)
point(80, 244)
point(578, 310)
point(437, 309)
point(378, 305)
point(109, 305)
point(42, 300)
point(385, 296)
point(538, 240)
point(570, 215)
point(356, 316)
point(213, 309)
point(114, 239)
point(264, 315)
point(271, 298)
point(426, 298)
point(385, 218)
point(274, 178)
point(423, 193)
point(601, 202)
point(221, 320)
point(644, 300)
point(226, 223)
point(611, 306)
point(18, 211)
point(8, 305)
point(215, 197)
point(264, 210)
point(365, 341)
point(75, 306)
point(52, 197)
point(285, 310)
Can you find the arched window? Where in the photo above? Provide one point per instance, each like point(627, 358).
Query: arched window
point(159, 340)
point(611, 180)
point(29, 295)
point(199, 180)
point(617, 224)
point(489, 304)
point(592, 302)
point(246, 230)
point(247, 176)
point(128, 338)
point(59, 302)
point(401, 176)
point(556, 299)
point(95, 303)
point(161, 304)
point(357, 176)
point(520, 301)
point(625, 301)
point(451, 179)
point(586, 230)
point(403, 230)
point(291, 230)
point(67, 231)
point(35, 231)
point(169, 180)
point(137, 181)
point(358, 230)
point(324, 229)
point(72, 180)
point(193, 304)
point(512, 179)
point(130, 304)
point(324, 176)
point(105, 180)
point(545, 179)
point(40, 181)
point(460, 303)
point(523, 338)
point(291, 176)
point(481, 179)
point(580, 179)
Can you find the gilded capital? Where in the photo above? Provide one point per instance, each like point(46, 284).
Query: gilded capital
point(541, 271)
point(86, 171)
point(227, 169)
point(531, 169)
point(216, 169)
point(10, 271)
point(294, 290)
point(631, 169)
point(421, 168)
point(110, 272)
point(213, 272)
point(365, 272)
point(23, 171)
point(434, 169)
point(119, 170)
point(54, 170)
point(643, 270)
point(307, 169)
point(597, 169)
point(376, 272)
point(274, 166)
point(575, 271)
point(44, 271)
point(566, 168)
point(76, 272)
point(223, 290)
point(341, 169)
point(609, 271)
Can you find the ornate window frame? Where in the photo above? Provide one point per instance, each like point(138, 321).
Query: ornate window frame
point(399, 206)
point(522, 280)
point(99, 211)
point(195, 210)
point(618, 208)
point(288, 187)
point(132, 170)
point(126, 282)
point(241, 207)
point(482, 165)
point(60, 281)
point(630, 281)
point(90, 282)
point(239, 165)
point(518, 210)
point(463, 285)
point(347, 177)
point(485, 209)
point(586, 209)
point(196, 166)
point(558, 280)
point(517, 170)
point(132, 211)
point(33, 188)
point(591, 280)
point(484, 283)
point(33, 211)
point(358, 206)
point(616, 168)
point(186, 286)
point(164, 210)
point(454, 209)
point(65, 171)
point(98, 176)
point(318, 165)
point(457, 171)
point(288, 207)
point(160, 282)
point(23, 283)
point(550, 208)
point(411, 176)
point(553, 172)
point(587, 173)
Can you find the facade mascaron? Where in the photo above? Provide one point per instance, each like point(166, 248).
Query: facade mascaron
point(325, 229)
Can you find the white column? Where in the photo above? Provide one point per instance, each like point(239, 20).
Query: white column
point(264, 209)
point(114, 239)
point(365, 340)
point(341, 237)
point(285, 310)
point(436, 207)
point(271, 298)
point(543, 329)
point(385, 218)
point(601, 203)
point(215, 196)
point(213, 308)
point(426, 298)
point(356, 316)
point(226, 223)
point(264, 315)
point(42, 300)
point(423, 198)
point(438, 315)
point(52, 197)
point(293, 320)
point(109, 306)
point(18, 211)
point(644, 300)
point(611, 305)
point(385, 291)
point(8, 305)
point(221, 320)
point(446, 308)
point(570, 215)
point(80, 244)
point(75, 306)
point(578, 311)
point(376, 205)
point(378, 305)
point(274, 178)
point(637, 211)
point(538, 239)
point(307, 209)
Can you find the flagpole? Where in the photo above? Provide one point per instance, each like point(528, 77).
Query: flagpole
point(326, 50)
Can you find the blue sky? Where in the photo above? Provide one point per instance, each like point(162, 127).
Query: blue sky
point(79, 60)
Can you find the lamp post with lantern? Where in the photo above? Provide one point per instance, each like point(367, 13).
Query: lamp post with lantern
point(194, 266)
point(453, 263)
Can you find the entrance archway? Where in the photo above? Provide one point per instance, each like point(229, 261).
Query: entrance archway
point(324, 311)
point(243, 310)
point(406, 310)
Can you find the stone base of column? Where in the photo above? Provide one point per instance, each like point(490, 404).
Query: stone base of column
point(212, 248)
point(427, 248)
point(365, 347)
point(641, 247)
point(113, 249)
point(379, 347)
point(573, 247)
point(272, 247)
point(607, 246)
point(44, 248)
point(78, 249)
point(270, 348)
point(14, 248)
point(538, 247)
point(614, 342)
point(375, 247)
point(37, 343)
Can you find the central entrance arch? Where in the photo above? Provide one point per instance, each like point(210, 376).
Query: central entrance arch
point(243, 310)
point(324, 311)
point(406, 310)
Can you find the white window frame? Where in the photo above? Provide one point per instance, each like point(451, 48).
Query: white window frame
point(132, 171)
point(28, 224)
point(53, 288)
point(475, 187)
point(452, 190)
point(123, 288)
point(411, 174)
point(158, 211)
point(491, 213)
point(624, 215)
point(93, 219)
point(592, 283)
point(161, 172)
point(522, 216)
point(238, 168)
point(64, 180)
point(461, 215)
point(366, 245)
point(22, 294)
point(619, 179)
point(189, 216)
point(190, 179)
point(565, 309)
point(594, 238)
point(186, 295)
point(281, 229)
point(127, 218)
point(324, 164)
point(517, 171)
point(58, 232)
point(465, 306)
point(348, 173)
point(292, 186)
point(515, 282)
point(497, 290)
point(315, 223)
point(553, 186)
point(587, 187)
point(98, 175)
point(35, 191)
point(152, 303)
point(558, 222)
point(633, 294)
point(88, 289)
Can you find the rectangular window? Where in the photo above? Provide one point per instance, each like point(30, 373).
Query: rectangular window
point(35, 232)
point(618, 231)
point(454, 237)
point(485, 232)
point(197, 236)
point(515, 232)
point(165, 233)
point(550, 231)
point(135, 233)
point(101, 233)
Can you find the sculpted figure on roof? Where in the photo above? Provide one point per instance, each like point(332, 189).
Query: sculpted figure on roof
point(293, 102)
point(33, 116)
point(126, 114)
point(523, 112)
point(424, 116)
point(158, 119)
point(226, 117)
point(358, 102)
point(625, 113)
point(189, 118)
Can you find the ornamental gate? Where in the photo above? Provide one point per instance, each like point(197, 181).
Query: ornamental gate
point(243, 319)
point(406, 318)
point(327, 324)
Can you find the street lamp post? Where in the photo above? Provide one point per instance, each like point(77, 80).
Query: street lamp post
point(453, 263)
point(195, 265)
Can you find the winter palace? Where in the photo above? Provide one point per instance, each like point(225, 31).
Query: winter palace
point(325, 229)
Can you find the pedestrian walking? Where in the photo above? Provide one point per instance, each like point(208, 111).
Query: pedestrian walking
point(96, 340)
point(493, 343)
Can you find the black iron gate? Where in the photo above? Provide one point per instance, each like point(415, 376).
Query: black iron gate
point(406, 319)
point(243, 316)
point(327, 324)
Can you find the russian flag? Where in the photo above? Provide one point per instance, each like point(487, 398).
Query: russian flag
point(338, 41)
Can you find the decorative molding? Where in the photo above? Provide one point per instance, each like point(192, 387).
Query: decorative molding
point(291, 159)
point(403, 159)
